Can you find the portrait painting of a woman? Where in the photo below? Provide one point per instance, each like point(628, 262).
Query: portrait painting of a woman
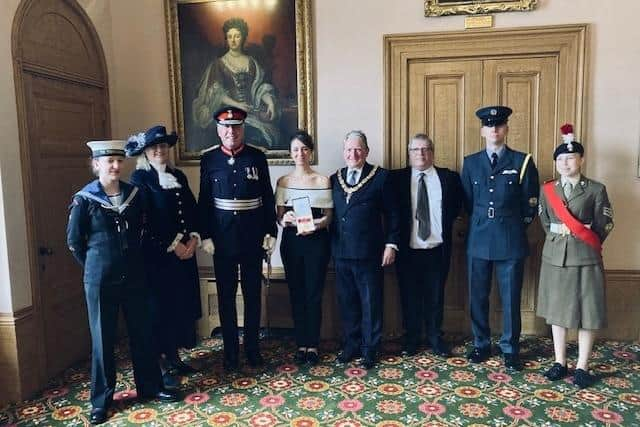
point(238, 79)
point(255, 56)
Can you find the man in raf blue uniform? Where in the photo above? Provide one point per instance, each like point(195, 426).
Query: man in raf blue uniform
point(238, 223)
point(365, 236)
point(501, 195)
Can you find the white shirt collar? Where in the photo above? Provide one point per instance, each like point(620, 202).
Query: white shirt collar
point(429, 171)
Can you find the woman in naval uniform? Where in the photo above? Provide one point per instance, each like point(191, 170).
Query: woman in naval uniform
point(169, 245)
point(577, 217)
point(104, 235)
point(305, 255)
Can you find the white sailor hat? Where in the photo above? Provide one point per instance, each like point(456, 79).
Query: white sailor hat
point(106, 148)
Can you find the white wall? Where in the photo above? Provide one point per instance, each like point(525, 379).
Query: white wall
point(349, 85)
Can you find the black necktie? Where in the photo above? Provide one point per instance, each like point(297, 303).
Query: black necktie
point(494, 160)
point(422, 209)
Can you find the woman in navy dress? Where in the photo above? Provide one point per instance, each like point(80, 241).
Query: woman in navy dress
point(104, 235)
point(169, 246)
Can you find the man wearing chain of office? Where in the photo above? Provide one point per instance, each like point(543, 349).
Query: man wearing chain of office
point(365, 236)
point(238, 225)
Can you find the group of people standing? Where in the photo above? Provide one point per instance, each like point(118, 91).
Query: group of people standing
point(136, 243)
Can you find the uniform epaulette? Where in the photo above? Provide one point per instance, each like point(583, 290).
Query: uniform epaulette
point(206, 150)
point(263, 149)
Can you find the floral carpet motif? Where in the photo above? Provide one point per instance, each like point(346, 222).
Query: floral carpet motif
point(423, 390)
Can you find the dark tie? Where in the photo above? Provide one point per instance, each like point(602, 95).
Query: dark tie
point(422, 209)
point(494, 160)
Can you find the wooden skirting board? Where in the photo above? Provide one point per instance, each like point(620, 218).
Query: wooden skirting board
point(623, 292)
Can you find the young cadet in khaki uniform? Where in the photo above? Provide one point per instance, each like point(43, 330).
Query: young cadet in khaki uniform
point(577, 216)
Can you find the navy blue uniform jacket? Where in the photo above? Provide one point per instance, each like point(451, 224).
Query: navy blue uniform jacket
point(500, 207)
point(236, 232)
point(362, 227)
point(105, 240)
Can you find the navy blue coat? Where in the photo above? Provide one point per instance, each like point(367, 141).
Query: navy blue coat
point(500, 207)
point(107, 242)
point(174, 282)
point(236, 232)
point(362, 227)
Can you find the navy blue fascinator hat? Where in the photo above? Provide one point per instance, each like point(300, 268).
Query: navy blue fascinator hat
point(137, 143)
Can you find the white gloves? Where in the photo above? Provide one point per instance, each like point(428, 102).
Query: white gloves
point(269, 244)
point(207, 246)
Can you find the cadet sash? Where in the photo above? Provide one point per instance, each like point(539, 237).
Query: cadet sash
point(576, 227)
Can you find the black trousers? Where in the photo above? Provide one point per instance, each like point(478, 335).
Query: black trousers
point(359, 291)
point(226, 269)
point(509, 275)
point(422, 275)
point(305, 261)
point(103, 305)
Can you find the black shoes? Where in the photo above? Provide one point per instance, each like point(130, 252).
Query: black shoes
point(254, 359)
point(368, 362)
point(300, 357)
point(409, 350)
point(479, 355)
point(441, 349)
point(170, 382)
point(162, 395)
point(313, 358)
point(230, 364)
point(346, 356)
point(182, 368)
point(556, 372)
point(98, 416)
point(583, 379)
point(512, 361)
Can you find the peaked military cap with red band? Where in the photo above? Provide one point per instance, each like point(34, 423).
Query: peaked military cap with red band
point(230, 116)
point(569, 144)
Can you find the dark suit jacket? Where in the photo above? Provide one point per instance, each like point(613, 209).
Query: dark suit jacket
point(452, 199)
point(362, 227)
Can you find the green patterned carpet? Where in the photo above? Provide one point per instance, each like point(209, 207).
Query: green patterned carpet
point(423, 390)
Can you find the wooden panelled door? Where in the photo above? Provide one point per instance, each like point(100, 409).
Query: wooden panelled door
point(435, 84)
point(63, 102)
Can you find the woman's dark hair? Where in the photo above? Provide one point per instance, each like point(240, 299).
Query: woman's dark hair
point(303, 137)
point(237, 23)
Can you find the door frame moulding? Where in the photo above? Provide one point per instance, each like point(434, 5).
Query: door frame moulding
point(21, 67)
point(562, 41)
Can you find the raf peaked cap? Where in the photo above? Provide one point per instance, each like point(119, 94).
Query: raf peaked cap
point(495, 115)
point(106, 148)
point(137, 143)
point(230, 116)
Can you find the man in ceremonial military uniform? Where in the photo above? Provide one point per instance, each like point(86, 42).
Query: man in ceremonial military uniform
point(501, 195)
point(238, 224)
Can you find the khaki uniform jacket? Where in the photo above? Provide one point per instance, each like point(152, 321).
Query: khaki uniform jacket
point(589, 203)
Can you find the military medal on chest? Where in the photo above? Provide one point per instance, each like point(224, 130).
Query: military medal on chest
point(349, 191)
point(231, 160)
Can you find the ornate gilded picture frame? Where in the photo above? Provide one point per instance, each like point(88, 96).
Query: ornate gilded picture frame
point(474, 7)
point(256, 55)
